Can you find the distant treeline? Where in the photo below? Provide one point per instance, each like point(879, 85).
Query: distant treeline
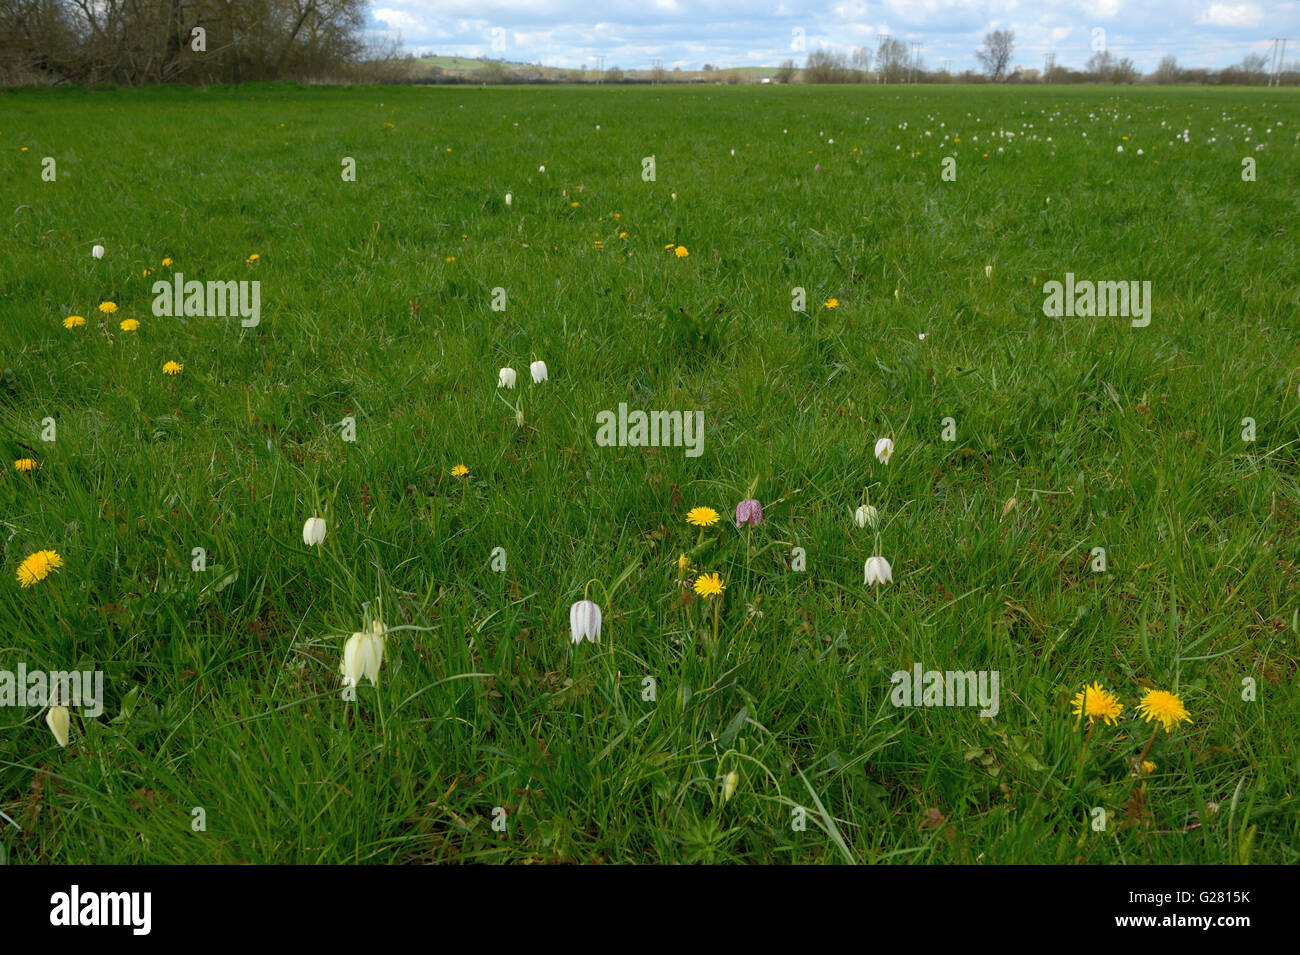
point(894, 63)
point(198, 41)
point(137, 42)
point(889, 65)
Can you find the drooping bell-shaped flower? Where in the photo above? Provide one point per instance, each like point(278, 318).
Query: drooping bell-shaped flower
point(313, 532)
point(584, 622)
point(877, 571)
point(363, 655)
point(58, 720)
point(750, 512)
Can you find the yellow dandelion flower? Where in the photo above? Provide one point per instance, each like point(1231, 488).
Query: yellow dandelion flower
point(709, 585)
point(145, 273)
point(573, 205)
point(683, 563)
point(25, 465)
point(1097, 703)
point(681, 252)
point(128, 324)
point(459, 471)
point(832, 303)
point(108, 308)
point(1163, 706)
point(252, 258)
point(73, 321)
point(671, 245)
point(38, 566)
point(1148, 767)
point(172, 368)
point(167, 261)
point(622, 235)
point(702, 516)
point(451, 258)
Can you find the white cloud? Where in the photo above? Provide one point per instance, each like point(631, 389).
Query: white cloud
point(397, 20)
point(1232, 15)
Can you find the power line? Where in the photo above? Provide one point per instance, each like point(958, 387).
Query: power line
point(1277, 64)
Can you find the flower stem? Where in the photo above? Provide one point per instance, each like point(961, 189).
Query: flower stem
point(1143, 758)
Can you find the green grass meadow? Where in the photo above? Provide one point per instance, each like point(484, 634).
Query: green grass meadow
point(225, 737)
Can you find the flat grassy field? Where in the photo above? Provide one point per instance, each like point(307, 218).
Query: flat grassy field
point(1070, 500)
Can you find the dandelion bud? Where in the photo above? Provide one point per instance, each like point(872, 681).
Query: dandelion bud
point(584, 621)
point(506, 378)
point(867, 516)
point(750, 512)
point(538, 370)
point(878, 571)
point(97, 251)
point(884, 450)
point(57, 720)
point(313, 532)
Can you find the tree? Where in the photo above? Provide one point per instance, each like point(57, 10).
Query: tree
point(150, 41)
point(1254, 63)
point(861, 63)
point(1168, 71)
point(891, 60)
point(825, 66)
point(492, 71)
point(1124, 72)
point(786, 73)
point(995, 54)
point(1101, 64)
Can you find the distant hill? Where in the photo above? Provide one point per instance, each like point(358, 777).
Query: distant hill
point(462, 68)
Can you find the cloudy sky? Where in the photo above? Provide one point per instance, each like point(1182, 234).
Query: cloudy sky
point(689, 33)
